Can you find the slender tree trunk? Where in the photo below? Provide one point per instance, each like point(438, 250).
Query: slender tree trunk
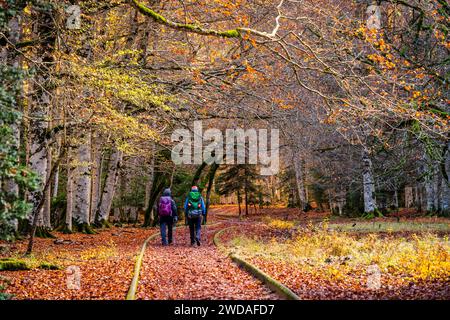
point(38, 163)
point(82, 194)
point(299, 179)
point(445, 197)
point(246, 192)
point(198, 174)
point(409, 197)
point(107, 194)
point(239, 202)
point(368, 185)
point(430, 186)
point(211, 176)
point(148, 186)
point(133, 215)
point(158, 184)
point(55, 184)
point(96, 180)
point(47, 195)
point(396, 199)
point(116, 215)
point(69, 191)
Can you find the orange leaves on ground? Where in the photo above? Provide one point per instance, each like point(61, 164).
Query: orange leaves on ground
point(105, 262)
point(184, 272)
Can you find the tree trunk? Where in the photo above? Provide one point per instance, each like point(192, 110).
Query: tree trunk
point(159, 181)
point(445, 184)
point(38, 163)
point(39, 206)
point(300, 182)
point(211, 176)
point(396, 199)
point(246, 191)
point(116, 217)
point(82, 194)
point(430, 186)
point(12, 58)
point(409, 197)
point(368, 185)
point(148, 186)
point(47, 203)
point(40, 107)
point(445, 198)
point(239, 202)
point(67, 228)
point(133, 218)
point(107, 194)
point(55, 184)
point(97, 155)
point(198, 174)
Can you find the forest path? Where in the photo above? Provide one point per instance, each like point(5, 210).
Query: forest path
point(180, 271)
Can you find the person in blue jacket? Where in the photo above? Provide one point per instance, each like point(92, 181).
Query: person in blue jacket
point(195, 210)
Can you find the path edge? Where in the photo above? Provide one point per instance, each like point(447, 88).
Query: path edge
point(271, 283)
point(131, 295)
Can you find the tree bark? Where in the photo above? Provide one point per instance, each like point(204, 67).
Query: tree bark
point(69, 191)
point(82, 194)
point(300, 182)
point(239, 202)
point(40, 107)
point(445, 187)
point(148, 186)
point(211, 176)
point(109, 188)
point(430, 186)
point(198, 174)
point(97, 155)
point(11, 58)
point(368, 185)
point(39, 206)
point(47, 203)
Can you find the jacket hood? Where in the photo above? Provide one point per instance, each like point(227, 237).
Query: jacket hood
point(167, 193)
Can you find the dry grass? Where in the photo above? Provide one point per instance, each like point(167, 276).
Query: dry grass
point(424, 256)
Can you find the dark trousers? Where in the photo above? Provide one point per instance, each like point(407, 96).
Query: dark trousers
point(195, 224)
point(166, 223)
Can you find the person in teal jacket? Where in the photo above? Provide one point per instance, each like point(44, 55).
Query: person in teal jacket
point(195, 210)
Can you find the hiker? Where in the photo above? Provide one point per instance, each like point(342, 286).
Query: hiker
point(167, 212)
point(195, 210)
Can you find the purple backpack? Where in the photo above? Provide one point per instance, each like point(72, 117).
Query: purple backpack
point(165, 206)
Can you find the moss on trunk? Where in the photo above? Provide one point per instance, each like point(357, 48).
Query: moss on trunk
point(44, 232)
point(83, 228)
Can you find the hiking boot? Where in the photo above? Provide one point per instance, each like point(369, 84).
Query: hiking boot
point(198, 242)
point(192, 244)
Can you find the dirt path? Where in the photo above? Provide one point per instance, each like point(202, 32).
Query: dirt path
point(183, 272)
